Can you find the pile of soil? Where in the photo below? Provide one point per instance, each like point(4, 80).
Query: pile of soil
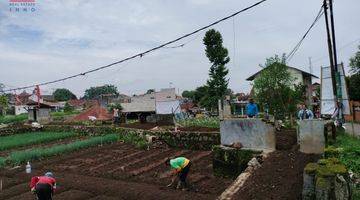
point(285, 139)
point(96, 111)
point(279, 177)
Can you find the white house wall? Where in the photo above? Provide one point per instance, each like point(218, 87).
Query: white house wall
point(297, 75)
point(168, 107)
point(20, 109)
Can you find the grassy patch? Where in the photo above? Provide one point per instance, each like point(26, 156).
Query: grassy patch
point(57, 116)
point(7, 119)
point(19, 140)
point(210, 122)
point(35, 154)
point(350, 153)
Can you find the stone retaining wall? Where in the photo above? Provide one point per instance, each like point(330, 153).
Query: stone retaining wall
point(327, 179)
point(11, 130)
point(230, 162)
point(185, 140)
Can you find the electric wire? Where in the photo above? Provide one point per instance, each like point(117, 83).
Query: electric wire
point(139, 54)
point(297, 46)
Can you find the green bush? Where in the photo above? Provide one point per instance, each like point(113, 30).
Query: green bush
point(7, 119)
point(68, 108)
point(350, 154)
point(19, 140)
point(35, 154)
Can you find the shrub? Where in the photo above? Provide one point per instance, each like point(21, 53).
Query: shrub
point(7, 119)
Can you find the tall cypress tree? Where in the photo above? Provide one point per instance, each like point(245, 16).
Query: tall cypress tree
point(218, 56)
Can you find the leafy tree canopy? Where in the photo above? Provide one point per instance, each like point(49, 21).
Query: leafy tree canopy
point(218, 56)
point(149, 91)
point(63, 94)
point(3, 104)
point(273, 87)
point(355, 62)
point(353, 83)
point(96, 92)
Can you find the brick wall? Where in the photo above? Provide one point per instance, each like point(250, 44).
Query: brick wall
point(355, 107)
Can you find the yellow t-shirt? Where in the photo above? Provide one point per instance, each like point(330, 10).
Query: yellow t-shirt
point(179, 163)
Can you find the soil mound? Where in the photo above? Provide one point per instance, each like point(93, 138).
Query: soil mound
point(97, 111)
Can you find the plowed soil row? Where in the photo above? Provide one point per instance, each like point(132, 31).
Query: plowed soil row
point(117, 171)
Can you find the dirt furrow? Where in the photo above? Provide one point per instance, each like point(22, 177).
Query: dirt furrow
point(153, 165)
point(136, 161)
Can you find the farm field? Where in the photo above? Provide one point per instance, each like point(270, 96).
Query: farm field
point(117, 171)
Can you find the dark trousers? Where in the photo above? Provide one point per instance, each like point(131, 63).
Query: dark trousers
point(116, 120)
point(184, 172)
point(44, 191)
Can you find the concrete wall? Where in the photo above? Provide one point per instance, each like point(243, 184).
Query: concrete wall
point(168, 107)
point(297, 75)
point(42, 115)
point(251, 133)
point(20, 109)
point(311, 136)
point(161, 118)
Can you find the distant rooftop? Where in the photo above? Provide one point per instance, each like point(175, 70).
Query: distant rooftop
point(252, 77)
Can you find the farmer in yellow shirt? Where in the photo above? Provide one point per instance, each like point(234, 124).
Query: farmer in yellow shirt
point(181, 167)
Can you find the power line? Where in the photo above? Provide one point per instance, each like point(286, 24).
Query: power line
point(297, 46)
point(139, 54)
point(339, 49)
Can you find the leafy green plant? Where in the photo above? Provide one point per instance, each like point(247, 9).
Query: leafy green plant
point(135, 139)
point(68, 108)
point(113, 106)
point(210, 122)
point(35, 154)
point(7, 119)
point(19, 140)
point(2, 161)
point(350, 154)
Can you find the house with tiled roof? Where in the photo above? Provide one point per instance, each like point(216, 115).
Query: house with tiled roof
point(300, 77)
point(20, 102)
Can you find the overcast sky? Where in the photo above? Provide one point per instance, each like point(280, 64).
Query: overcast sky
point(65, 37)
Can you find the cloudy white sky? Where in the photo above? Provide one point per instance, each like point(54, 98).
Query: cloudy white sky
point(65, 37)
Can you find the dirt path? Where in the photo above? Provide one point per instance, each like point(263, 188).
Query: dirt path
point(279, 178)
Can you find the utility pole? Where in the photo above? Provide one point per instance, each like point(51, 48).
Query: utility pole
point(310, 66)
point(337, 72)
point(331, 58)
